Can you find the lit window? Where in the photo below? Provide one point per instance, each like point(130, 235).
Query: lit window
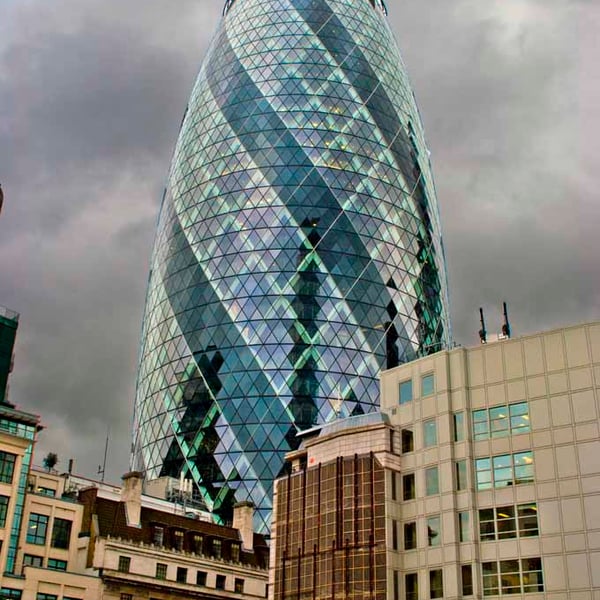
point(178, 540)
point(427, 385)
point(124, 564)
point(198, 543)
point(432, 481)
point(235, 552)
point(429, 433)
point(512, 577)
point(504, 470)
point(37, 529)
point(406, 393)
point(7, 466)
point(501, 421)
point(45, 491)
point(436, 584)
point(505, 522)
point(217, 548)
point(434, 537)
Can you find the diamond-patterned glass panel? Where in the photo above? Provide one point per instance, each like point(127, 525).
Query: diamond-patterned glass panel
point(298, 250)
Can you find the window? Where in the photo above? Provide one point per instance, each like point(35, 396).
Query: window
point(406, 394)
point(220, 583)
point(466, 572)
point(512, 577)
point(57, 565)
point(45, 491)
point(507, 469)
point(410, 536)
point(461, 475)
point(458, 422)
point(42, 596)
point(396, 584)
point(201, 578)
point(158, 535)
point(126, 596)
point(436, 584)
point(181, 575)
point(238, 585)
point(505, 522)
point(434, 531)
point(411, 586)
point(408, 444)
point(235, 552)
point(432, 481)
point(7, 467)
point(29, 560)
point(124, 564)
point(217, 548)
point(37, 528)
point(427, 385)
point(3, 510)
point(197, 543)
point(6, 593)
point(429, 433)
point(161, 571)
point(393, 485)
point(394, 525)
point(61, 533)
point(463, 527)
point(501, 421)
point(408, 486)
point(178, 540)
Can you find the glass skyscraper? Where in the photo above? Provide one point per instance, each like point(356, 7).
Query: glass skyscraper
point(298, 250)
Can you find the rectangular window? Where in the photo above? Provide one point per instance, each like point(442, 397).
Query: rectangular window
point(61, 533)
point(6, 593)
point(125, 596)
point(512, 577)
point(220, 582)
point(3, 510)
point(408, 486)
point(406, 393)
point(396, 584)
point(29, 560)
point(427, 385)
point(42, 596)
point(161, 571)
point(197, 543)
point(429, 433)
point(7, 466)
point(501, 421)
point(410, 536)
point(504, 470)
point(411, 586)
point(37, 529)
point(505, 522)
point(217, 548)
point(235, 552)
point(434, 532)
point(393, 485)
point(432, 481)
point(181, 576)
point(178, 540)
point(238, 585)
point(436, 583)
point(458, 422)
point(408, 443)
point(158, 535)
point(124, 564)
point(394, 525)
point(461, 475)
point(57, 565)
point(463, 527)
point(466, 572)
point(45, 491)
point(201, 578)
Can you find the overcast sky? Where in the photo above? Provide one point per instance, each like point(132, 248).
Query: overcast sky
point(91, 97)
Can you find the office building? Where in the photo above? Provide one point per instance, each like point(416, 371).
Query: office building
point(479, 478)
point(298, 249)
point(9, 322)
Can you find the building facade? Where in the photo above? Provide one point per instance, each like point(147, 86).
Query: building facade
point(9, 322)
point(491, 479)
point(298, 249)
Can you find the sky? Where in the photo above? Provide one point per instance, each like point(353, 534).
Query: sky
point(92, 93)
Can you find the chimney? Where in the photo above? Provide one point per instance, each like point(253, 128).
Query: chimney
point(243, 513)
point(131, 495)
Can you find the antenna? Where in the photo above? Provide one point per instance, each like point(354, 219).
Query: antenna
point(506, 325)
point(102, 468)
point(482, 331)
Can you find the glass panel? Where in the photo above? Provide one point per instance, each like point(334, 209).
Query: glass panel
point(461, 475)
point(506, 522)
point(463, 527)
point(432, 484)
point(459, 427)
point(528, 520)
point(430, 433)
point(406, 394)
point(510, 577)
point(490, 578)
point(487, 529)
point(427, 385)
point(433, 531)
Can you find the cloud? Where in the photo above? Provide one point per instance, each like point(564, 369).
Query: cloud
point(91, 96)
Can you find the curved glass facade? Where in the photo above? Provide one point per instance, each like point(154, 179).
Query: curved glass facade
point(298, 250)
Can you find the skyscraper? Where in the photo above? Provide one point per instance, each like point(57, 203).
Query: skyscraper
point(298, 249)
point(9, 322)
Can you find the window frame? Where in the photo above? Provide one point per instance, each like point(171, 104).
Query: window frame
point(430, 436)
point(410, 535)
point(124, 565)
point(409, 491)
point(432, 484)
point(41, 522)
point(161, 571)
point(61, 533)
point(405, 392)
point(425, 393)
point(436, 577)
point(434, 531)
point(8, 462)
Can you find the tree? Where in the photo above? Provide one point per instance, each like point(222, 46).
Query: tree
point(50, 461)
